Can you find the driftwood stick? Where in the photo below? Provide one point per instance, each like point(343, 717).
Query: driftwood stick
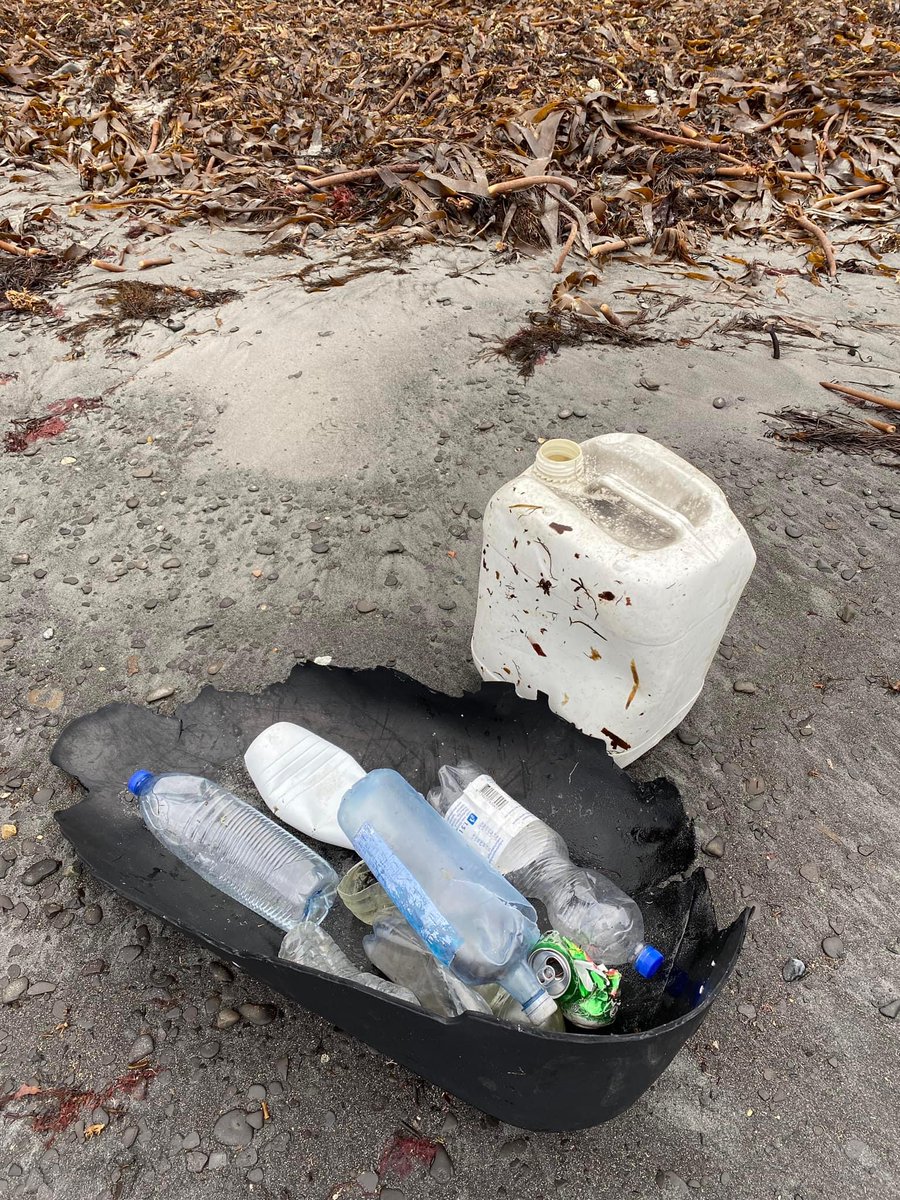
point(819, 234)
point(527, 181)
point(844, 389)
point(564, 253)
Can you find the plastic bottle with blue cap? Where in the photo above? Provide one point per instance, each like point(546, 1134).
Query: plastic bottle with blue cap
point(581, 903)
point(235, 847)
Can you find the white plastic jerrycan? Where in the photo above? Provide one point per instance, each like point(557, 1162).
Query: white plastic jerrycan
point(609, 572)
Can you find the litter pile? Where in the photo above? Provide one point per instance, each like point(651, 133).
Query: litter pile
point(438, 882)
point(658, 122)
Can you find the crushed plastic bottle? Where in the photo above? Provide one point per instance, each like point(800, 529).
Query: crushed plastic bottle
point(311, 946)
point(507, 1008)
point(396, 950)
point(583, 904)
point(361, 893)
point(468, 916)
point(302, 778)
point(235, 847)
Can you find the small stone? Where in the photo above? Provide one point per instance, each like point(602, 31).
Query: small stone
point(865, 849)
point(233, 1129)
point(745, 687)
point(368, 1183)
point(564, 414)
point(96, 966)
point(258, 1014)
point(226, 602)
point(810, 872)
point(793, 969)
point(846, 613)
point(160, 693)
point(687, 736)
point(715, 847)
point(754, 786)
point(170, 564)
point(210, 1049)
point(834, 947)
point(40, 870)
point(191, 1140)
point(366, 606)
point(320, 547)
point(196, 1160)
point(129, 1136)
point(484, 426)
point(92, 915)
point(891, 1010)
point(226, 1017)
point(747, 1010)
point(20, 560)
point(14, 990)
point(793, 531)
point(143, 1047)
point(220, 972)
point(719, 402)
point(441, 1167)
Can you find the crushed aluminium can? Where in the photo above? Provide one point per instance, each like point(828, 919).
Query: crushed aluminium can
point(587, 993)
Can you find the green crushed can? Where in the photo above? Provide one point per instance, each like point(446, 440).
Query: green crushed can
point(587, 994)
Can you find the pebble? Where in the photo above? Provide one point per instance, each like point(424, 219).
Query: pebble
point(441, 1167)
point(834, 947)
point(211, 1049)
point(747, 1010)
point(92, 915)
point(320, 547)
point(719, 402)
point(220, 972)
point(96, 966)
point(368, 1183)
point(715, 847)
point(687, 736)
point(366, 606)
point(745, 687)
point(226, 1017)
point(564, 414)
point(40, 870)
point(846, 613)
point(793, 531)
point(484, 426)
point(160, 693)
point(196, 1160)
point(891, 1010)
point(14, 990)
point(233, 1129)
point(258, 1014)
point(810, 872)
point(191, 1140)
point(143, 1047)
point(793, 969)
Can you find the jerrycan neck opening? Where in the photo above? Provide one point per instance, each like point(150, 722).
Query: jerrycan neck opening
point(559, 461)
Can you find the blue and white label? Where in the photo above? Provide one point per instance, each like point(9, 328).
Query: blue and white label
point(487, 817)
point(408, 894)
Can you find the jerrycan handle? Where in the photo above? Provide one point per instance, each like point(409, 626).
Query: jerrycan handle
point(656, 508)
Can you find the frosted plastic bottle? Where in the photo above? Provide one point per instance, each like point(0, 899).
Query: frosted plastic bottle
point(468, 916)
point(583, 904)
point(311, 946)
point(609, 573)
point(302, 778)
point(235, 847)
point(507, 1008)
point(396, 950)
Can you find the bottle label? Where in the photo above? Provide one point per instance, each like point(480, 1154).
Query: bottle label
point(487, 817)
point(408, 894)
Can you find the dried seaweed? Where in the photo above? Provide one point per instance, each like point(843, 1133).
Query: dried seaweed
point(131, 302)
point(659, 119)
point(835, 430)
point(547, 333)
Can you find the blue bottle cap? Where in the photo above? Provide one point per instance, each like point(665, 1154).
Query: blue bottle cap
point(139, 781)
point(648, 962)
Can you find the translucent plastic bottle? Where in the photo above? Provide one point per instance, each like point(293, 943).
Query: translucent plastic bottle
point(583, 904)
point(468, 916)
point(235, 847)
point(302, 778)
point(397, 951)
point(311, 946)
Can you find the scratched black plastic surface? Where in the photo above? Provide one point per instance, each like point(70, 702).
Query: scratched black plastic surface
point(638, 833)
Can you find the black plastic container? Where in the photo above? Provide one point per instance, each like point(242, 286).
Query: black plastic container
point(638, 833)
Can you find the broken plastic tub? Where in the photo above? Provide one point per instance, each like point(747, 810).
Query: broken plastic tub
point(638, 833)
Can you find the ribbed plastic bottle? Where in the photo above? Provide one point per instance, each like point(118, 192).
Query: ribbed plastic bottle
point(583, 904)
point(302, 778)
point(468, 916)
point(235, 847)
point(311, 946)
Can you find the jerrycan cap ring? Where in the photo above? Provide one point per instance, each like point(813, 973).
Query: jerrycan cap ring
point(559, 460)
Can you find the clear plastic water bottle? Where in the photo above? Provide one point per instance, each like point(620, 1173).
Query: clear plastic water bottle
point(470, 918)
point(311, 946)
point(235, 847)
point(583, 904)
point(396, 950)
point(507, 1008)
